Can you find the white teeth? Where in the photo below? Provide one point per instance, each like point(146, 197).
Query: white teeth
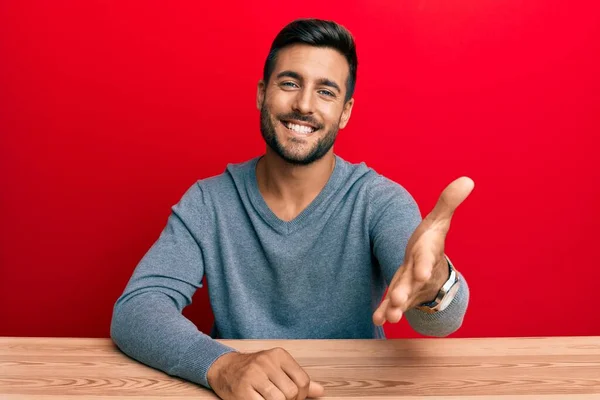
point(299, 128)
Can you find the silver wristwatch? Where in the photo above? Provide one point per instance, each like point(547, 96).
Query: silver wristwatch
point(445, 295)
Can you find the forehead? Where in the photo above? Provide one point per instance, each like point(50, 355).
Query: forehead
point(313, 63)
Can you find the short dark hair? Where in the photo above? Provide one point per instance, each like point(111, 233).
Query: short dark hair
point(318, 33)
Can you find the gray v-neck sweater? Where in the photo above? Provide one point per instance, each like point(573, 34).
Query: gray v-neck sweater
point(320, 275)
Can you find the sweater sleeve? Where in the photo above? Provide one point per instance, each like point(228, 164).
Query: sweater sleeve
point(394, 216)
point(147, 322)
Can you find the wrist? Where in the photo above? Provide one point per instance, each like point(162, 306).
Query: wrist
point(446, 293)
point(214, 371)
point(442, 278)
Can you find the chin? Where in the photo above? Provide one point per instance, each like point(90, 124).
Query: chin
point(294, 157)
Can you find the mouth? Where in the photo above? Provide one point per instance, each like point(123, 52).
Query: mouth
point(299, 128)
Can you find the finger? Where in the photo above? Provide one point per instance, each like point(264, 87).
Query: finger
point(254, 395)
point(393, 314)
point(397, 301)
point(379, 314)
point(286, 385)
point(406, 294)
point(401, 293)
point(296, 374)
point(315, 390)
point(452, 196)
point(399, 297)
point(268, 390)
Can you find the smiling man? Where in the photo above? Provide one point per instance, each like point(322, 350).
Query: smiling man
point(297, 243)
point(312, 118)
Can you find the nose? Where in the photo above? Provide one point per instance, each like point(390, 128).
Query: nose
point(304, 101)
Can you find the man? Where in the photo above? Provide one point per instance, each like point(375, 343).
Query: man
point(297, 243)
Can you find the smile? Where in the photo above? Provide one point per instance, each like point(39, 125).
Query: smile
point(300, 129)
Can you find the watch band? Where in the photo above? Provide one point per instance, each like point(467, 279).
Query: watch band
point(445, 295)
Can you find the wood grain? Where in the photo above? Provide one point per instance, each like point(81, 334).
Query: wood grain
point(410, 369)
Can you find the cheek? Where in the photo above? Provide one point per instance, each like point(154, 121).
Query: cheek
point(332, 114)
point(279, 99)
point(271, 111)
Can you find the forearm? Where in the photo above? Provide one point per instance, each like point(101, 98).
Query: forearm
point(149, 328)
point(443, 322)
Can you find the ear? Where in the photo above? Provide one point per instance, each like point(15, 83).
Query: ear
point(260, 94)
point(346, 113)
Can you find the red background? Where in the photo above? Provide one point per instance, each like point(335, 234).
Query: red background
point(110, 110)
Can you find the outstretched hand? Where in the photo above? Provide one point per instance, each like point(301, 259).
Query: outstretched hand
point(425, 268)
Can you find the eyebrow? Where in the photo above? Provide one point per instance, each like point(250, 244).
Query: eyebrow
point(320, 81)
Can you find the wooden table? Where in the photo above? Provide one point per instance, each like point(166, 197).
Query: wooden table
point(409, 369)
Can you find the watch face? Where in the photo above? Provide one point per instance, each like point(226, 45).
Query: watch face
point(449, 297)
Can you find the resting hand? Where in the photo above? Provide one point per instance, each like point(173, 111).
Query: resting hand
point(266, 375)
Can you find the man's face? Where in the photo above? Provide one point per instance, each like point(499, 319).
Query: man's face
point(302, 106)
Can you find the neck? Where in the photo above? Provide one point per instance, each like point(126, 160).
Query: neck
point(289, 188)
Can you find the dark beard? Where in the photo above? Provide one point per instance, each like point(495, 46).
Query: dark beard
point(316, 153)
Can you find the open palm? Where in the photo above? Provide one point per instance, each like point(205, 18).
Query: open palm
point(425, 267)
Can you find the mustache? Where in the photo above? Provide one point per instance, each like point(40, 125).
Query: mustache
point(300, 117)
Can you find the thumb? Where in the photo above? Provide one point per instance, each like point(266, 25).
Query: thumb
point(315, 390)
point(452, 196)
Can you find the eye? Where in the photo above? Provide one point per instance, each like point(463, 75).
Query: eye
point(289, 84)
point(327, 93)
